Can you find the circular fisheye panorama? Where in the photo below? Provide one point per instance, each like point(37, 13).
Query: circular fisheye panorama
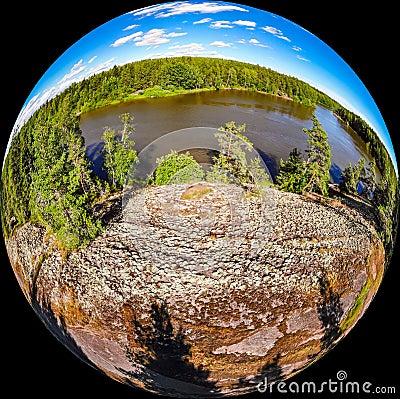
point(197, 197)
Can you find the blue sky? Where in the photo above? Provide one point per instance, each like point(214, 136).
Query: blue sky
point(210, 29)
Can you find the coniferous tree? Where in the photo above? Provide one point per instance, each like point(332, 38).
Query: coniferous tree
point(319, 159)
point(350, 177)
point(231, 163)
point(119, 153)
point(293, 174)
point(58, 200)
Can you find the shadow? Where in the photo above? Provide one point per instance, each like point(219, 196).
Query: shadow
point(163, 350)
point(202, 155)
point(335, 173)
point(272, 370)
point(362, 206)
point(330, 312)
point(271, 163)
point(96, 158)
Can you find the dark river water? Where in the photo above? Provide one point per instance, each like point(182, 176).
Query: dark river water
point(275, 125)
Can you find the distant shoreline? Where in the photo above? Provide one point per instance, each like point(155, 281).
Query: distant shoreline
point(159, 93)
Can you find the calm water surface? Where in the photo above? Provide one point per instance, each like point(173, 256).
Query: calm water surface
point(275, 125)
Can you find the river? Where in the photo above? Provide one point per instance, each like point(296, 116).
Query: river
point(275, 125)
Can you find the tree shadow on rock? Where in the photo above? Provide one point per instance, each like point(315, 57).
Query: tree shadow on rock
point(164, 350)
point(330, 312)
point(272, 370)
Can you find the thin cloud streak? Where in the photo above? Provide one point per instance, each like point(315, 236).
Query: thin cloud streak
point(179, 8)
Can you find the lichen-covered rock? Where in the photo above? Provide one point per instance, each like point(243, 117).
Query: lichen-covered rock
point(201, 292)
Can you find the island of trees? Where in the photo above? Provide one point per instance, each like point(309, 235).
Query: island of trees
point(47, 176)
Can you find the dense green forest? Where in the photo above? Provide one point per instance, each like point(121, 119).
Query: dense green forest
point(47, 176)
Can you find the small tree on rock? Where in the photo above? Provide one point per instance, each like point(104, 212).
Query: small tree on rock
point(119, 153)
point(319, 159)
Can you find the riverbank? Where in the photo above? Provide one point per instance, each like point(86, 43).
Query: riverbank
point(158, 92)
point(151, 92)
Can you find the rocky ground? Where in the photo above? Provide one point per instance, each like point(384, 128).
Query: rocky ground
point(206, 284)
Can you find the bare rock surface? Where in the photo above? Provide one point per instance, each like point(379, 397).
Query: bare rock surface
point(201, 291)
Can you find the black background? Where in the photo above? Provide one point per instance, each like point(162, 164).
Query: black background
point(35, 34)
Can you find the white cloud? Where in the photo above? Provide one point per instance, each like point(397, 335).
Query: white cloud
point(184, 7)
point(176, 34)
point(77, 73)
point(126, 39)
point(220, 43)
point(284, 38)
point(272, 30)
point(131, 27)
point(240, 22)
point(297, 48)
point(220, 24)
point(302, 58)
point(187, 48)
point(189, 52)
point(153, 37)
point(253, 42)
point(104, 66)
point(276, 32)
point(75, 70)
point(202, 21)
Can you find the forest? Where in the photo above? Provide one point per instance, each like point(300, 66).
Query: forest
point(47, 177)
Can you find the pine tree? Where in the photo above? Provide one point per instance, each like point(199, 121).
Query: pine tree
point(119, 153)
point(292, 175)
point(319, 159)
point(59, 200)
point(350, 177)
point(231, 163)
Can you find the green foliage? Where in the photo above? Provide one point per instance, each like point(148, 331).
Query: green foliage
point(293, 175)
point(319, 159)
point(353, 175)
point(176, 168)
point(231, 161)
point(297, 175)
point(16, 183)
point(386, 193)
point(119, 153)
point(386, 199)
point(20, 187)
point(231, 165)
point(62, 185)
point(350, 177)
point(181, 74)
point(157, 77)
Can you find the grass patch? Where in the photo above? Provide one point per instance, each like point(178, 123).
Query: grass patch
point(354, 312)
